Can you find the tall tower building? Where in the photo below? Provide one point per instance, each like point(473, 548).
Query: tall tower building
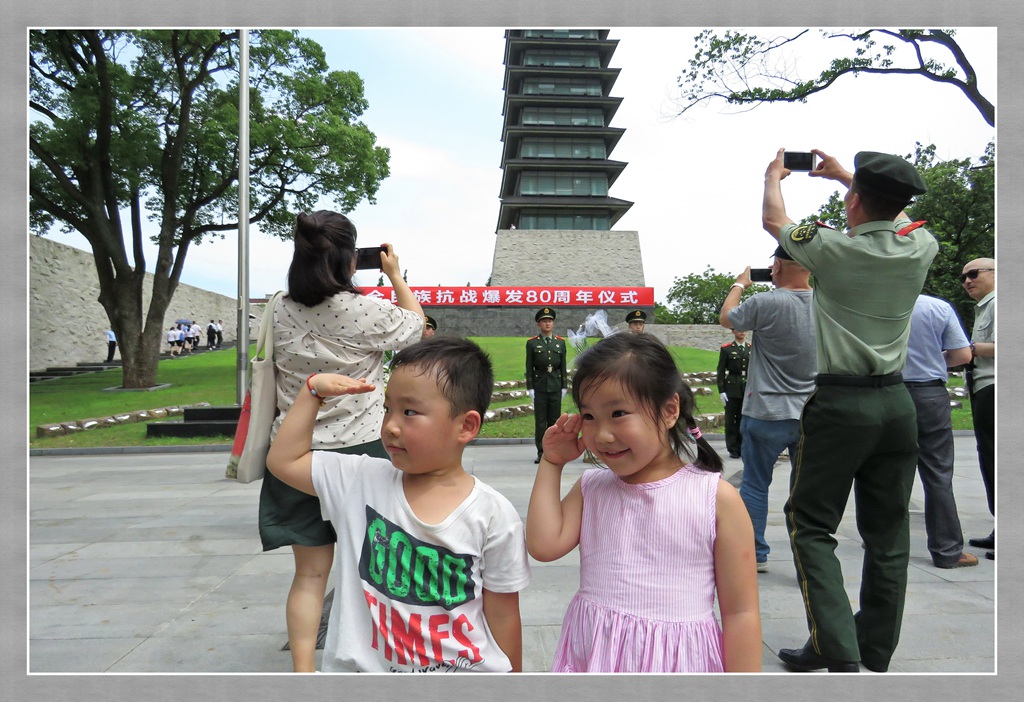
point(556, 215)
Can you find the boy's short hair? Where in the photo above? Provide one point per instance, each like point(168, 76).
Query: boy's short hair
point(462, 369)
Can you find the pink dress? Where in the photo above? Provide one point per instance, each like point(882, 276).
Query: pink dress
point(647, 577)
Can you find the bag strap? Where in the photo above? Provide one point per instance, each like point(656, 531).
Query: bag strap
point(265, 334)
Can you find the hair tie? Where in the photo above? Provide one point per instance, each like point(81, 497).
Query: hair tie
point(694, 433)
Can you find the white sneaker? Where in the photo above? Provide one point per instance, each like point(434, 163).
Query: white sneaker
point(762, 566)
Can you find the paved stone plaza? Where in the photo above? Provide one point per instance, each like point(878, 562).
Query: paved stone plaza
point(151, 562)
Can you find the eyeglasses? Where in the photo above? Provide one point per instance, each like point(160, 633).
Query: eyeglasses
point(973, 274)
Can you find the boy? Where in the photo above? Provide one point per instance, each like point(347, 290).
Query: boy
point(429, 560)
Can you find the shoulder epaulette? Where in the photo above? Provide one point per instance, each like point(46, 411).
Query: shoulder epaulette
point(727, 344)
point(533, 337)
point(819, 223)
point(910, 227)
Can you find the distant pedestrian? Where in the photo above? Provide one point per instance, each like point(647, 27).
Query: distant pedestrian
point(211, 335)
point(659, 532)
point(220, 333)
point(172, 341)
point(111, 345)
point(194, 333)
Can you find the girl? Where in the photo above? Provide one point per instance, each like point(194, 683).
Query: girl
point(658, 535)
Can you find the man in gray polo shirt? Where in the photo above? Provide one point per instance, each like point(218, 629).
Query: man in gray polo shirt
point(779, 380)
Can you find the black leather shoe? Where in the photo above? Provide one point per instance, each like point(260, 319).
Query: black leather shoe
point(988, 542)
point(537, 459)
point(803, 660)
point(991, 555)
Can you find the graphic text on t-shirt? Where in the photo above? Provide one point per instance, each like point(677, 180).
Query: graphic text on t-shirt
point(409, 570)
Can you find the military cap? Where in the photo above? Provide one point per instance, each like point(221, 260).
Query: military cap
point(431, 322)
point(636, 316)
point(887, 176)
point(781, 253)
point(546, 313)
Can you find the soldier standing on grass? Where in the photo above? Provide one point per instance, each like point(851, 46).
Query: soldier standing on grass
point(546, 377)
point(732, 383)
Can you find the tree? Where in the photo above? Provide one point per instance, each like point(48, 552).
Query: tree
point(745, 70)
point(959, 209)
point(698, 298)
point(145, 124)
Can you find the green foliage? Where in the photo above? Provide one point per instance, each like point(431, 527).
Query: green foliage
point(746, 70)
point(129, 125)
point(959, 209)
point(698, 298)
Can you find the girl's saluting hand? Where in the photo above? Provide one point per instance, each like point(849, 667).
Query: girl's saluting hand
point(562, 441)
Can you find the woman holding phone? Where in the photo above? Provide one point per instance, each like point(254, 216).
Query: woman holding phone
point(324, 324)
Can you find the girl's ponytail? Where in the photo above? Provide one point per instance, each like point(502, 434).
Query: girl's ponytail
point(707, 457)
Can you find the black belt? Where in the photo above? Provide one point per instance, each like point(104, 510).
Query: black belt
point(859, 381)
point(926, 383)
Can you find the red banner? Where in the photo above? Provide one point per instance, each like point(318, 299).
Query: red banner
point(527, 296)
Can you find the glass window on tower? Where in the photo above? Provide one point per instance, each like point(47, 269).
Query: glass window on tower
point(561, 33)
point(565, 219)
point(538, 147)
point(562, 116)
point(562, 86)
point(566, 183)
point(576, 59)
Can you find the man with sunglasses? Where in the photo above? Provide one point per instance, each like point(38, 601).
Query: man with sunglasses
point(979, 281)
point(858, 429)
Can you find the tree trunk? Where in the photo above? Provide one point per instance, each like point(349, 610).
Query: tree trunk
point(139, 345)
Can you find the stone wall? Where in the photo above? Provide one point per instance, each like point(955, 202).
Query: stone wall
point(66, 323)
point(698, 336)
point(567, 257)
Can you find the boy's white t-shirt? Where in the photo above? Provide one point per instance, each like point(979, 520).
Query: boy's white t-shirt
point(408, 595)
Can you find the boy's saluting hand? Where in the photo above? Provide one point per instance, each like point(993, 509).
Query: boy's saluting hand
point(333, 384)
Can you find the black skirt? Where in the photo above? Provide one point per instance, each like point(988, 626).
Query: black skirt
point(289, 516)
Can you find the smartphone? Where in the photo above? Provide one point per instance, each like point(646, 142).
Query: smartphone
point(799, 160)
point(368, 258)
point(761, 275)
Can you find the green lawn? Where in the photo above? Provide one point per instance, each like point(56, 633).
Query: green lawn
point(210, 377)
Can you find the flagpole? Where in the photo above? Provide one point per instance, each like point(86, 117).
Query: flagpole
point(242, 362)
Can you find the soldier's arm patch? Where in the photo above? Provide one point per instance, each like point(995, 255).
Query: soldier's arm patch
point(803, 233)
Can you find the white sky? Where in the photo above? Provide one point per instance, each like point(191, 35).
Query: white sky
point(435, 97)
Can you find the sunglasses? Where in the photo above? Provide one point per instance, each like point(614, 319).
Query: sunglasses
point(973, 274)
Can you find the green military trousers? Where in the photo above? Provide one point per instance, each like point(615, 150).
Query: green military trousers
point(862, 439)
point(547, 408)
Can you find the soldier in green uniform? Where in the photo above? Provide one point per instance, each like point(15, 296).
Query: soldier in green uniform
point(636, 320)
point(429, 327)
point(546, 379)
point(732, 383)
point(858, 428)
